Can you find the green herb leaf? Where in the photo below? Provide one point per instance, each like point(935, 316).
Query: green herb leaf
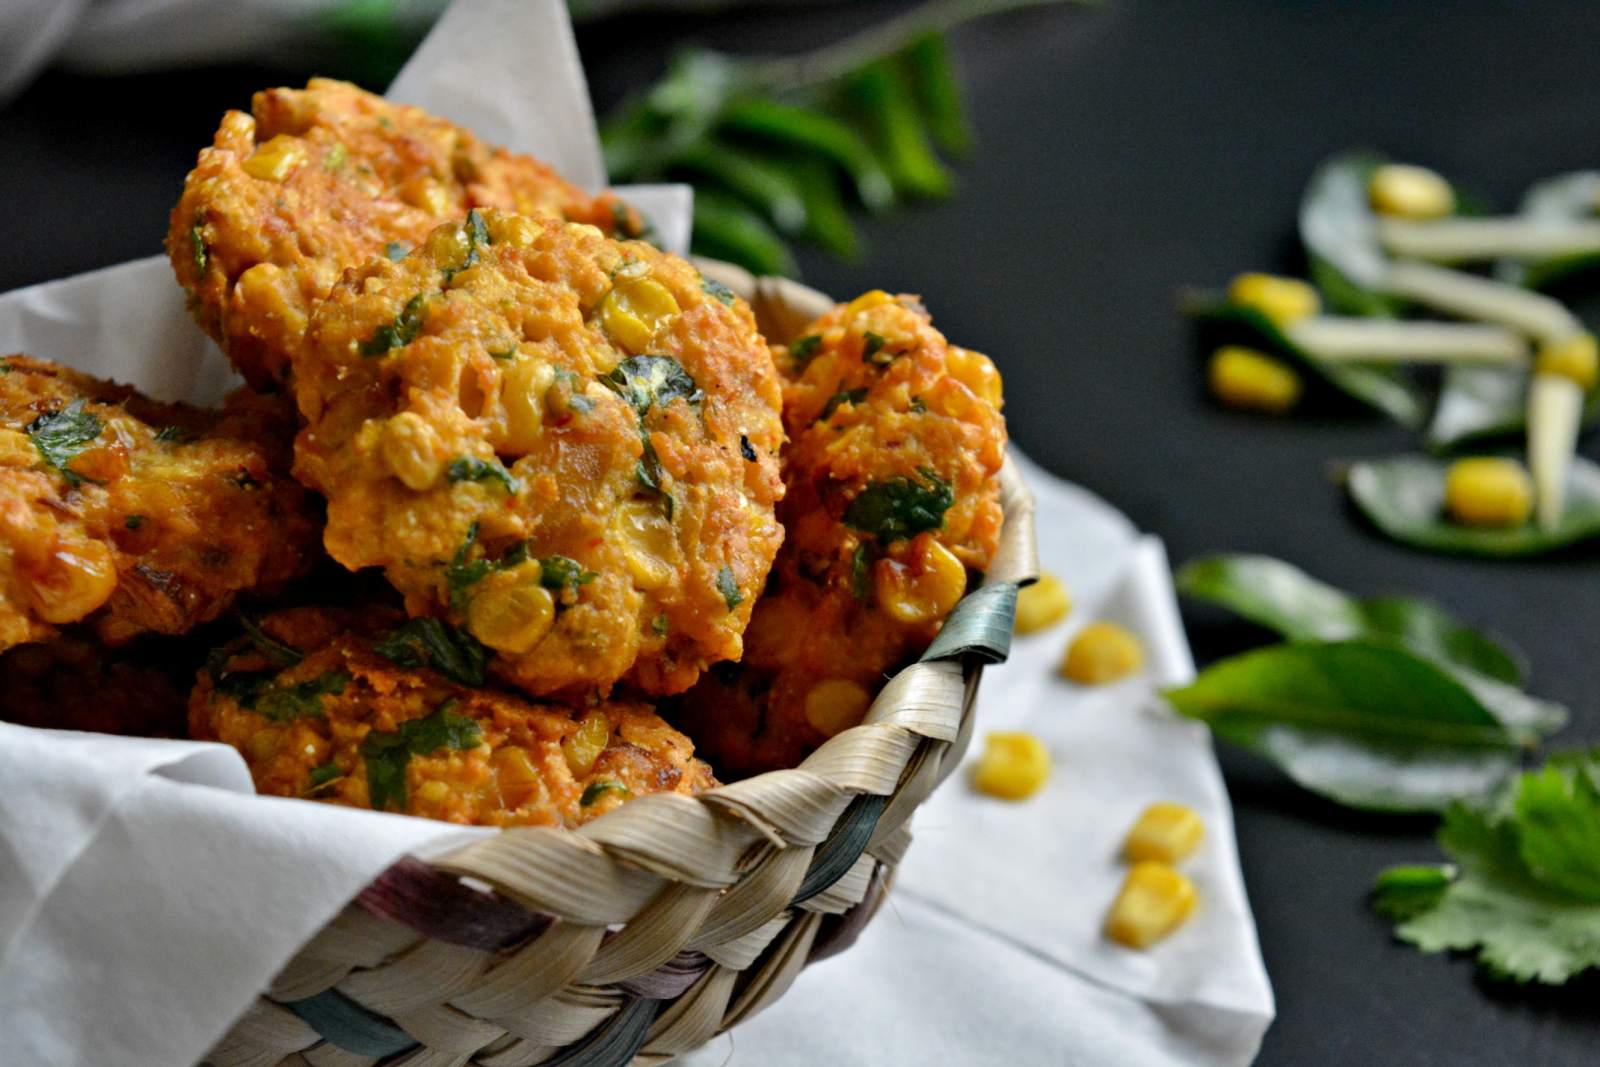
point(861, 561)
point(464, 570)
point(595, 790)
point(745, 449)
point(1404, 497)
point(450, 650)
point(198, 250)
point(388, 753)
point(1340, 233)
point(938, 94)
point(133, 522)
point(396, 251)
point(334, 160)
point(1371, 726)
point(402, 331)
point(477, 234)
point(559, 572)
point(872, 349)
point(849, 396)
point(659, 625)
point(469, 469)
point(728, 586)
point(1525, 894)
point(63, 436)
point(886, 106)
point(901, 508)
point(1563, 198)
point(647, 382)
point(299, 700)
point(1382, 388)
point(276, 652)
point(814, 133)
point(322, 774)
point(717, 291)
point(1286, 599)
point(804, 349)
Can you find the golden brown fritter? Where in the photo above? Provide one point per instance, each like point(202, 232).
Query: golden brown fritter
point(73, 682)
point(564, 443)
point(350, 709)
point(135, 515)
point(892, 469)
point(320, 179)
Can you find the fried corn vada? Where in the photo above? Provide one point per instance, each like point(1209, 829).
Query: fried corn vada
point(320, 179)
point(353, 711)
point(893, 503)
point(73, 682)
point(138, 516)
point(563, 443)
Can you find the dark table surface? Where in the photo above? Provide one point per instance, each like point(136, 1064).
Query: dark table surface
point(1125, 152)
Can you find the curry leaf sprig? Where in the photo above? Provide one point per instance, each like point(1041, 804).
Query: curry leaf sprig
point(777, 147)
point(1386, 704)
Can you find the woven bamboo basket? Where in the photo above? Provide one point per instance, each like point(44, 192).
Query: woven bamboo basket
point(652, 929)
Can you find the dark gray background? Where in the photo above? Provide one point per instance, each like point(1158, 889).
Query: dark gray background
point(1124, 152)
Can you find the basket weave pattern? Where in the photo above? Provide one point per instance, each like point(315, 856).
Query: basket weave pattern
point(646, 932)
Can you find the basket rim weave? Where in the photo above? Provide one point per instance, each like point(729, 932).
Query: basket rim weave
point(646, 932)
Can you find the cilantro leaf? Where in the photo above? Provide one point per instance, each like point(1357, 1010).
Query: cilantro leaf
point(1525, 894)
point(198, 250)
point(388, 753)
point(62, 436)
point(900, 508)
point(595, 790)
point(395, 251)
point(716, 290)
point(451, 651)
point(477, 234)
point(324, 773)
point(298, 700)
point(872, 349)
point(804, 349)
point(469, 469)
point(402, 331)
point(728, 586)
point(651, 381)
point(561, 572)
point(849, 396)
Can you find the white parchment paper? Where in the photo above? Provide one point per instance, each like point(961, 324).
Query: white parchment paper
point(147, 895)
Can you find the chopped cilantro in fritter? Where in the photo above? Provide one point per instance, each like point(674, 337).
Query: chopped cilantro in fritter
point(728, 586)
point(62, 436)
point(716, 290)
point(402, 331)
point(451, 651)
point(468, 469)
point(388, 752)
point(899, 508)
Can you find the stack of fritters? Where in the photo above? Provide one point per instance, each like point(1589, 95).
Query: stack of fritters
point(564, 450)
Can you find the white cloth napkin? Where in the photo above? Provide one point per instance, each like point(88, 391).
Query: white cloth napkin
point(147, 895)
point(988, 949)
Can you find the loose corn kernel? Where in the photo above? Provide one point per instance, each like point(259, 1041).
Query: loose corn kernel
point(411, 449)
point(1165, 831)
point(1014, 766)
point(1410, 192)
point(583, 747)
point(1154, 901)
point(1253, 381)
point(510, 610)
point(268, 294)
point(16, 449)
point(1042, 604)
point(75, 579)
point(1576, 357)
point(977, 372)
point(922, 589)
point(866, 301)
point(634, 310)
point(1102, 652)
point(1488, 491)
point(648, 541)
point(515, 775)
point(836, 704)
point(275, 160)
point(1283, 300)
